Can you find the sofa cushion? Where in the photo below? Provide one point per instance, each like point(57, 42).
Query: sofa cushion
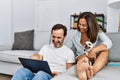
point(115, 50)
point(70, 33)
point(12, 55)
point(41, 38)
point(23, 40)
point(107, 73)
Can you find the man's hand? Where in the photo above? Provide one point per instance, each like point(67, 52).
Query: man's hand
point(55, 73)
point(37, 56)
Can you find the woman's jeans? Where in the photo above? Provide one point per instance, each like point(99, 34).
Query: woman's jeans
point(26, 74)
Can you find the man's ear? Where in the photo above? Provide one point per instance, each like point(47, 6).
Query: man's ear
point(65, 37)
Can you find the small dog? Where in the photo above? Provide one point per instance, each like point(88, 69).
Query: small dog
point(88, 46)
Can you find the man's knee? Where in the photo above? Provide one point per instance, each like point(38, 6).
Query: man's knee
point(42, 76)
point(23, 74)
point(23, 70)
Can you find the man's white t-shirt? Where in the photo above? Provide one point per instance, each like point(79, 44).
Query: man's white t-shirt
point(57, 57)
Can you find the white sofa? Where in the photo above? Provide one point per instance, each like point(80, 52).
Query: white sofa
point(9, 62)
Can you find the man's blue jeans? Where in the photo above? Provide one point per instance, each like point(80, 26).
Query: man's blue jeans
point(26, 74)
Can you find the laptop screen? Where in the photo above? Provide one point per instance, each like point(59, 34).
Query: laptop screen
point(35, 65)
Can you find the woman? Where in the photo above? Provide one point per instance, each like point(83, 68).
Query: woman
point(88, 30)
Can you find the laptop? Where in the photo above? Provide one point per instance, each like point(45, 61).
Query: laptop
point(35, 65)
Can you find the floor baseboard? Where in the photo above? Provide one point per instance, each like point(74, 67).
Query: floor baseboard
point(5, 77)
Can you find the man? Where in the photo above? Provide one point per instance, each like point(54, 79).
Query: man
point(59, 57)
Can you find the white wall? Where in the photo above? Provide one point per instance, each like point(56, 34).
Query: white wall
point(47, 14)
point(15, 15)
point(5, 22)
point(60, 11)
point(43, 14)
point(21, 15)
point(76, 6)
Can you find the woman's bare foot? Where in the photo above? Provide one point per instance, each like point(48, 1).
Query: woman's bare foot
point(82, 67)
point(90, 72)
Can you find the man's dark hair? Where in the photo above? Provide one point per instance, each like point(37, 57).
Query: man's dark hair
point(60, 26)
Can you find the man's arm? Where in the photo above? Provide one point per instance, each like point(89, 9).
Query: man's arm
point(37, 56)
point(68, 65)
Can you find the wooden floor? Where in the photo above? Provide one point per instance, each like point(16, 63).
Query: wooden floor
point(5, 77)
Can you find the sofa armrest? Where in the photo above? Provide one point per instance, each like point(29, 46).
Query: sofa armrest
point(115, 49)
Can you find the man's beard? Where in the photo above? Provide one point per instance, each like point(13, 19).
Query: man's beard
point(57, 44)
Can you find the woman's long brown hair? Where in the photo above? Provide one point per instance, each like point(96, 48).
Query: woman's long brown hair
point(92, 25)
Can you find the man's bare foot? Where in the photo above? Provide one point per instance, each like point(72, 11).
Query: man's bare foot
point(90, 72)
point(82, 66)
